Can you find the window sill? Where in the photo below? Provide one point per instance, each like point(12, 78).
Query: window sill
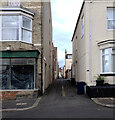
point(107, 74)
point(16, 41)
point(111, 30)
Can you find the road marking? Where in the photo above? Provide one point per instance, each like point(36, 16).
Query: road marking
point(63, 91)
point(22, 109)
point(21, 104)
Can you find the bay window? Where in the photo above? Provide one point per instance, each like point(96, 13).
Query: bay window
point(27, 30)
point(16, 28)
point(111, 18)
point(108, 60)
point(10, 27)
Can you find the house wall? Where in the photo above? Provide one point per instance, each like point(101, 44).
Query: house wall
point(99, 33)
point(79, 51)
point(74, 58)
point(47, 42)
point(88, 58)
point(35, 6)
point(68, 64)
point(55, 62)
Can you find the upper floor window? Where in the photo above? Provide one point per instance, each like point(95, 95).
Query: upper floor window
point(16, 24)
point(15, 28)
point(111, 18)
point(83, 25)
point(10, 27)
point(69, 56)
point(108, 60)
point(27, 30)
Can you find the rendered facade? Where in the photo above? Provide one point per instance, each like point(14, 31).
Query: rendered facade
point(93, 42)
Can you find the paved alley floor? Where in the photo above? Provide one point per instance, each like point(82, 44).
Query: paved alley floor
point(61, 101)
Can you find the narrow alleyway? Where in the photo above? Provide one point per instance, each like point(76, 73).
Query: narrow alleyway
point(61, 101)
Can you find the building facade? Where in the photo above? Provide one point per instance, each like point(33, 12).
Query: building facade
point(68, 64)
point(25, 48)
point(93, 42)
point(55, 63)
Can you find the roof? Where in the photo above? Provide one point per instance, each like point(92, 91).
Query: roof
point(78, 19)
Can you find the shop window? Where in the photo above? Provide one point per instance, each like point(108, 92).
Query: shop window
point(18, 73)
point(4, 77)
point(22, 77)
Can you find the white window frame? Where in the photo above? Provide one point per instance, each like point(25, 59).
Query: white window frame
point(112, 53)
point(24, 28)
point(20, 27)
point(110, 61)
point(109, 20)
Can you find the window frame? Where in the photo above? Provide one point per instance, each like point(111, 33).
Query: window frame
point(110, 61)
point(110, 19)
point(20, 27)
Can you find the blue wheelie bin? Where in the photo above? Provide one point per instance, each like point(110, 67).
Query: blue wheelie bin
point(80, 87)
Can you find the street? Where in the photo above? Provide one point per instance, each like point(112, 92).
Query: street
point(61, 101)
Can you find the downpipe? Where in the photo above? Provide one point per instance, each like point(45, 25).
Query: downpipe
point(41, 51)
point(90, 42)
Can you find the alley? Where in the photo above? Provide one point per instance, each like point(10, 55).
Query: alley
point(61, 101)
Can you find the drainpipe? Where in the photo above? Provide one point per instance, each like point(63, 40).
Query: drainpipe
point(90, 49)
point(41, 52)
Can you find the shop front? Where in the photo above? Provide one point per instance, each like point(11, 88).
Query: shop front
point(18, 71)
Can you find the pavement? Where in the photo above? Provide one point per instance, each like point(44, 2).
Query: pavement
point(19, 104)
point(106, 102)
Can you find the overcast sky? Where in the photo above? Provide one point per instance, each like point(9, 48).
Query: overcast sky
point(64, 18)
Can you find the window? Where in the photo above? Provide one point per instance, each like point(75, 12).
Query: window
point(111, 18)
point(27, 30)
point(113, 60)
point(108, 59)
point(20, 28)
point(105, 60)
point(17, 73)
point(10, 23)
point(69, 56)
point(83, 25)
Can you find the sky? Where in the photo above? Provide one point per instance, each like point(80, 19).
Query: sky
point(64, 17)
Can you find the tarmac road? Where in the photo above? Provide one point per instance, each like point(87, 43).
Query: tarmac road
point(61, 101)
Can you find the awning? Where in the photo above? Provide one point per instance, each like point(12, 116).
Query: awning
point(20, 54)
